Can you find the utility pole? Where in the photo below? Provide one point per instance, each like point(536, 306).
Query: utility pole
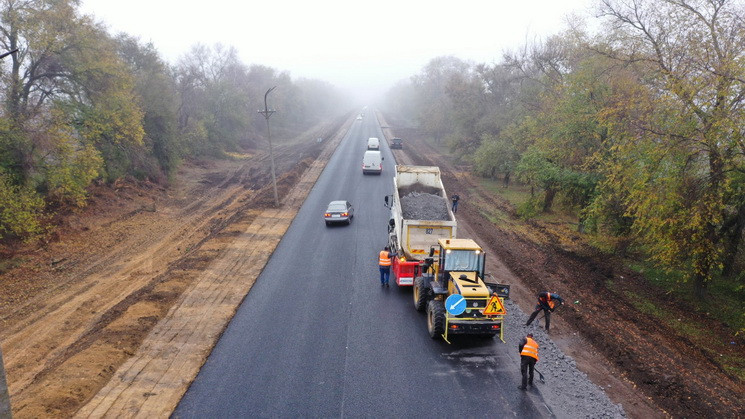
point(267, 113)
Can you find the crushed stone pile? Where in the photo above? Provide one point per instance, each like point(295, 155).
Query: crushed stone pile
point(567, 390)
point(418, 188)
point(424, 206)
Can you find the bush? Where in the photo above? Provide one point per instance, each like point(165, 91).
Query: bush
point(71, 174)
point(530, 208)
point(21, 210)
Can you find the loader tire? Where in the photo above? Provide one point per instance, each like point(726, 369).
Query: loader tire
point(436, 319)
point(421, 294)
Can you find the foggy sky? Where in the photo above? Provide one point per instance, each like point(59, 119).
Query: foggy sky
point(364, 47)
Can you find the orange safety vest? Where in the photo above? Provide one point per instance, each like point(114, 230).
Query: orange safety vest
point(550, 302)
point(383, 259)
point(530, 349)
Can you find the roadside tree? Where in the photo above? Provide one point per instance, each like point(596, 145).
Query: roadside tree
point(689, 55)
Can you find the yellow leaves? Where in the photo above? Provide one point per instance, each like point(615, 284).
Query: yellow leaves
point(70, 166)
point(21, 210)
point(115, 120)
point(71, 175)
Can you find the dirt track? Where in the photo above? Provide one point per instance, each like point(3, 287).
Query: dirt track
point(77, 309)
point(641, 363)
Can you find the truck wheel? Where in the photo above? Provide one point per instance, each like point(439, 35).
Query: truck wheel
point(421, 294)
point(436, 318)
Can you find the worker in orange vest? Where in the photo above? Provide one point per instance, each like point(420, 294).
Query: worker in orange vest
point(547, 302)
point(528, 357)
point(384, 263)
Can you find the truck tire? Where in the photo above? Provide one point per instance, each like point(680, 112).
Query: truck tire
point(421, 294)
point(436, 319)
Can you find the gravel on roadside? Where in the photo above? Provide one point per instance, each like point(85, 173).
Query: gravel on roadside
point(567, 390)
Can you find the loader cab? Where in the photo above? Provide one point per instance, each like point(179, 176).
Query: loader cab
point(459, 258)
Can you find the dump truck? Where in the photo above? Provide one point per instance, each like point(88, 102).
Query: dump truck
point(420, 215)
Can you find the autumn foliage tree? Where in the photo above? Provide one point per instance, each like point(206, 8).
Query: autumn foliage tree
point(687, 148)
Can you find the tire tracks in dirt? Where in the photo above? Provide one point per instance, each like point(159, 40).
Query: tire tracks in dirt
point(153, 380)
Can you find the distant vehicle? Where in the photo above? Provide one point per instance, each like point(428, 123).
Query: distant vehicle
point(338, 212)
point(359, 117)
point(372, 162)
point(397, 143)
point(373, 143)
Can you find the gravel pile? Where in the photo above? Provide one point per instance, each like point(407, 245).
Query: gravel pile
point(419, 188)
point(424, 206)
point(567, 389)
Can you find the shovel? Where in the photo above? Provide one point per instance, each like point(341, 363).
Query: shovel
point(540, 376)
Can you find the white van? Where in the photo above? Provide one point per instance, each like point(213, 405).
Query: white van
point(372, 162)
point(373, 144)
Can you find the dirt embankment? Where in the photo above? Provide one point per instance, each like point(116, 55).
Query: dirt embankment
point(76, 309)
point(643, 364)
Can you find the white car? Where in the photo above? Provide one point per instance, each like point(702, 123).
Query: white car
point(359, 117)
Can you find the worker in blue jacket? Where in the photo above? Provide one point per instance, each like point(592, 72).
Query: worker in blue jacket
point(547, 302)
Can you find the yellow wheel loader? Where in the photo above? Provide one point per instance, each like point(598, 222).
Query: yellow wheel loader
point(456, 268)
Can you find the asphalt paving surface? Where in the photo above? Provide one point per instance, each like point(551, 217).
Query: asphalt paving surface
point(318, 336)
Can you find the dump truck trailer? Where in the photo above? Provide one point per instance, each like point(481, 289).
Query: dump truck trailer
point(420, 216)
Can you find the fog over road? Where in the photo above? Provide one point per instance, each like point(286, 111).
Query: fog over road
point(317, 335)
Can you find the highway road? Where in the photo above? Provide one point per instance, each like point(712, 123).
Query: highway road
point(317, 336)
